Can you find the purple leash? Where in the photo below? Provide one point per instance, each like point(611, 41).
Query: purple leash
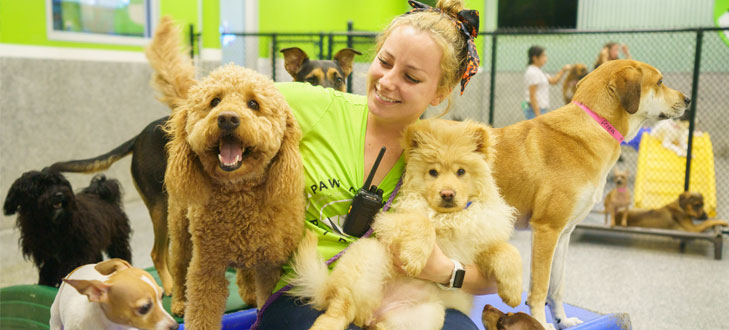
point(281, 291)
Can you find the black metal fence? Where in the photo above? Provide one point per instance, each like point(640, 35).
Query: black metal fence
point(661, 163)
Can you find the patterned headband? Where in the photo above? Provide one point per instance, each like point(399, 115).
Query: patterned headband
point(467, 23)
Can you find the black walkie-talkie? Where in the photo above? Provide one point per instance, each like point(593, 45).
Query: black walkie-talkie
point(365, 204)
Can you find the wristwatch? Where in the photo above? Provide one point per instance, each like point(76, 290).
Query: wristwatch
point(457, 276)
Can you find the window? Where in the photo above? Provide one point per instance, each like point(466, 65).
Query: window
point(537, 14)
point(126, 22)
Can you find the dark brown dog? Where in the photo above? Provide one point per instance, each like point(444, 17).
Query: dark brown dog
point(569, 86)
point(494, 319)
point(326, 73)
point(149, 158)
point(677, 215)
point(618, 199)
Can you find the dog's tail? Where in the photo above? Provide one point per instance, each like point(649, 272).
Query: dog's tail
point(107, 189)
point(98, 163)
point(310, 272)
point(174, 73)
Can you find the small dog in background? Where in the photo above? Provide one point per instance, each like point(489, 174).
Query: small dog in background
point(60, 230)
point(618, 199)
point(110, 295)
point(677, 215)
point(569, 86)
point(494, 319)
point(325, 73)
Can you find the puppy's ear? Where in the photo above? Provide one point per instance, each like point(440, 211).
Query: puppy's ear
point(95, 290)
point(625, 85)
point(344, 59)
point(294, 58)
point(412, 138)
point(174, 73)
point(112, 265)
point(683, 199)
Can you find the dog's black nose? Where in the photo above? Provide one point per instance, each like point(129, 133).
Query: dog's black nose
point(687, 100)
point(228, 121)
point(175, 327)
point(447, 195)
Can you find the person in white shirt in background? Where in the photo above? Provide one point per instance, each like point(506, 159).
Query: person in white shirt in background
point(537, 83)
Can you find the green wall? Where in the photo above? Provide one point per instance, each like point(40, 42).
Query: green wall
point(333, 15)
point(24, 23)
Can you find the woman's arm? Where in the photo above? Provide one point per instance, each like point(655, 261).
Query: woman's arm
point(558, 76)
point(626, 51)
point(439, 267)
point(533, 99)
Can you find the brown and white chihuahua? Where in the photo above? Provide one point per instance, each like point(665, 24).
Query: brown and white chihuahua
point(110, 295)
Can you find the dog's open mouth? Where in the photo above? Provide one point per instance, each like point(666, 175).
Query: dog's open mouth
point(231, 153)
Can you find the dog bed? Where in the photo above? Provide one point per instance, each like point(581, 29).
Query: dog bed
point(661, 173)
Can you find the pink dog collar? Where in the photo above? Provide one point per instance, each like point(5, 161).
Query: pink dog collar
point(603, 122)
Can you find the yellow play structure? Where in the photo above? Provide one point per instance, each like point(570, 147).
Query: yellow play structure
point(660, 176)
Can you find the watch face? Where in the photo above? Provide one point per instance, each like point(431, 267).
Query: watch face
point(458, 279)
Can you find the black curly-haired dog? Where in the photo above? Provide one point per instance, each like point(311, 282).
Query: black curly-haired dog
point(60, 230)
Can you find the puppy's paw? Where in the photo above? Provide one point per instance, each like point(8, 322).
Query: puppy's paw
point(568, 322)
point(178, 308)
point(548, 326)
point(413, 257)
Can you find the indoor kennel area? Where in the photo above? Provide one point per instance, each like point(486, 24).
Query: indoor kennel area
point(650, 254)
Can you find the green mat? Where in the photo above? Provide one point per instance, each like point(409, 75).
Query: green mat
point(29, 306)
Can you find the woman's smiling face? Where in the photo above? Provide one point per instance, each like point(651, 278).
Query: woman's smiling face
point(403, 78)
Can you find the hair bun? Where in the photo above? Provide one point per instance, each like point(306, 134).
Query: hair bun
point(451, 7)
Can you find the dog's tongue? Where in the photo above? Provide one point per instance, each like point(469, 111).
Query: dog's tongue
point(230, 152)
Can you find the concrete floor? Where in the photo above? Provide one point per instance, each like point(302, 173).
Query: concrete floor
point(644, 276)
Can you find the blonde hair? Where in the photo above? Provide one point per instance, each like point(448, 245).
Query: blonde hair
point(441, 27)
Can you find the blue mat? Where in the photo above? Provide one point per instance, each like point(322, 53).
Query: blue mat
point(243, 320)
point(592, 320)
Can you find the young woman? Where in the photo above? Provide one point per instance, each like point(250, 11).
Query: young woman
point(611, 51)
point(421, 57)
point(537, 83)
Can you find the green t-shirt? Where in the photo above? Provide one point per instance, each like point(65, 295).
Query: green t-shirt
point(333, 126)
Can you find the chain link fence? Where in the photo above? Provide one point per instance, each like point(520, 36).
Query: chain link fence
point(660, 162)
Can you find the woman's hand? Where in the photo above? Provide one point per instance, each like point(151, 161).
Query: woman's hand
point(439, 267)
point(626, 51)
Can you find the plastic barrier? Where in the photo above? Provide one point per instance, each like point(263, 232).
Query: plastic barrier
point(660, 176)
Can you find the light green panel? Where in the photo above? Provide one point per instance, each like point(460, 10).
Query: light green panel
point(24, 23)
point(211, 23)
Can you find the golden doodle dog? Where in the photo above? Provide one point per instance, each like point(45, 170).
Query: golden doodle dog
point(553, 168)
point(569, 86)
point(676, 215)
point(448, 197)
point(233, 177)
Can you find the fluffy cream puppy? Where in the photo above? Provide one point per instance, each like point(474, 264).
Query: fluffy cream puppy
point(448, 197)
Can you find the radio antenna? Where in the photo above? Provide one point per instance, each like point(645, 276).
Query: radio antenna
point(374, 169)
